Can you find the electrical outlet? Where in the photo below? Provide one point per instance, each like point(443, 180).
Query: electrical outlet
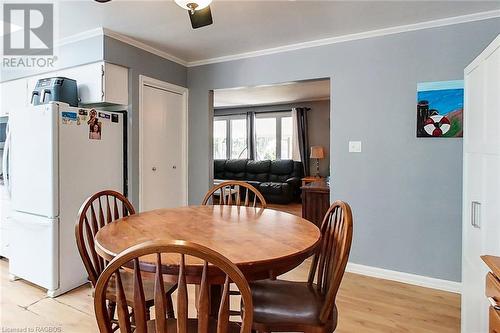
point(355, 146)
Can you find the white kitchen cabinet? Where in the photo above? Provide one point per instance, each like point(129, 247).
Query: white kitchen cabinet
point(98, 83)
point(115, 84)
point(481, 183)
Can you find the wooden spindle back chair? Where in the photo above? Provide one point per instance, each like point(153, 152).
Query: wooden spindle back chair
point(330, 261)
point(160, 250)
point(229, 193)
point(96, 212)
point(235, 193)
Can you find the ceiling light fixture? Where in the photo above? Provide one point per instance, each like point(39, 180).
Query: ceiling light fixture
point(193, 5)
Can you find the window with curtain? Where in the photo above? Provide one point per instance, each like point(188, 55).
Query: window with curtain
point(271, 133)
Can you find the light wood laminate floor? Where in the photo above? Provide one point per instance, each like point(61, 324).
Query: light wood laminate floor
point(365, 305)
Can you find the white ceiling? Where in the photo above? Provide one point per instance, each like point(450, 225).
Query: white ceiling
point(273, 94)
point(245, 26)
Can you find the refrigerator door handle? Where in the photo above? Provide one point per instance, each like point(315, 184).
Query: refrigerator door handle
point(5, 161)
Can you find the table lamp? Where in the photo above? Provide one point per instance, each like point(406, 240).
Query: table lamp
point(317, 153)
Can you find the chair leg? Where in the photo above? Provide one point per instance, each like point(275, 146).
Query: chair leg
point(170, 307)
point(148, 313)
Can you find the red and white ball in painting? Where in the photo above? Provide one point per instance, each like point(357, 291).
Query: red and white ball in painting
point(437, 125)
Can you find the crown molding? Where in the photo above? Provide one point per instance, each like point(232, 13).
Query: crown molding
point(352, 37)
point(79, 37)
point(122, 38)
point(143, 46)
point(285, 48)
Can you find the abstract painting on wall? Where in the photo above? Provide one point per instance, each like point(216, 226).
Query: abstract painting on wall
point(440, 107)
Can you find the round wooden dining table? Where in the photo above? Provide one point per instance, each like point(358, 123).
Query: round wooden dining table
point(263, 243)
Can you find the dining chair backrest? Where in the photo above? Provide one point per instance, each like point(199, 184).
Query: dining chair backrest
point(97, 211)
point(330, 262)
point(159, 250)
point(235, 193)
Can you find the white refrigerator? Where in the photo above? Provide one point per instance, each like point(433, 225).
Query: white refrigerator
point(59, 155)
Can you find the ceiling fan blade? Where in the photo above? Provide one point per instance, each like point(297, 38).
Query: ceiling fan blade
point(201, 18)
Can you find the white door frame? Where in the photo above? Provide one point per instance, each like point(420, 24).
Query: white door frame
point(145, 81)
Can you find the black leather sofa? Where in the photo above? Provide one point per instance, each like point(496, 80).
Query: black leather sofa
point(279, 181)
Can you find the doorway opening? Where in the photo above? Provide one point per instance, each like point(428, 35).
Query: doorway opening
point(274, 137)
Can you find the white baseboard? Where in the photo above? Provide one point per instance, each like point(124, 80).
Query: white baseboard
point(418, 280)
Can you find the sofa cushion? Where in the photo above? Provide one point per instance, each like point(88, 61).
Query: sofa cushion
point(272, 188)
point(278, 178)
point(258, 177)
point(281, 167)
point(219, 165)
point(234, 175)
point(219, 175)
point(258, 166)
point(254, 183)
point(258, 170)
point(236, 166)
point(219, 168)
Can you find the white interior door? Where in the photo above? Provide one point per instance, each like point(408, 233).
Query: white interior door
point(163, 146)
point(481, 184)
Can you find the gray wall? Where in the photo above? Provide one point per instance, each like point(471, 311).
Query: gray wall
point(318, 122)
point(140, 62)
point(405, 192)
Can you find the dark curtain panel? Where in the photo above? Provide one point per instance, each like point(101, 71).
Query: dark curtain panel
point(250, 133)
point(303, 138)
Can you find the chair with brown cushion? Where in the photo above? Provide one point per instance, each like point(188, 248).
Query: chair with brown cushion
point(176, 253)
point(285, 306)
point(97, 211)
point(235, 193)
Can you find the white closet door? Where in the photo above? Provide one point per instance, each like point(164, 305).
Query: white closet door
point(473, 299)
point(163, 126)
point(481, 184)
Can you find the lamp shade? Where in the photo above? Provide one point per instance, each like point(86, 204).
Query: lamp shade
point(317, 152)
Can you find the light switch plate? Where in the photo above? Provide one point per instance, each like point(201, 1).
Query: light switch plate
point(355, 146)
